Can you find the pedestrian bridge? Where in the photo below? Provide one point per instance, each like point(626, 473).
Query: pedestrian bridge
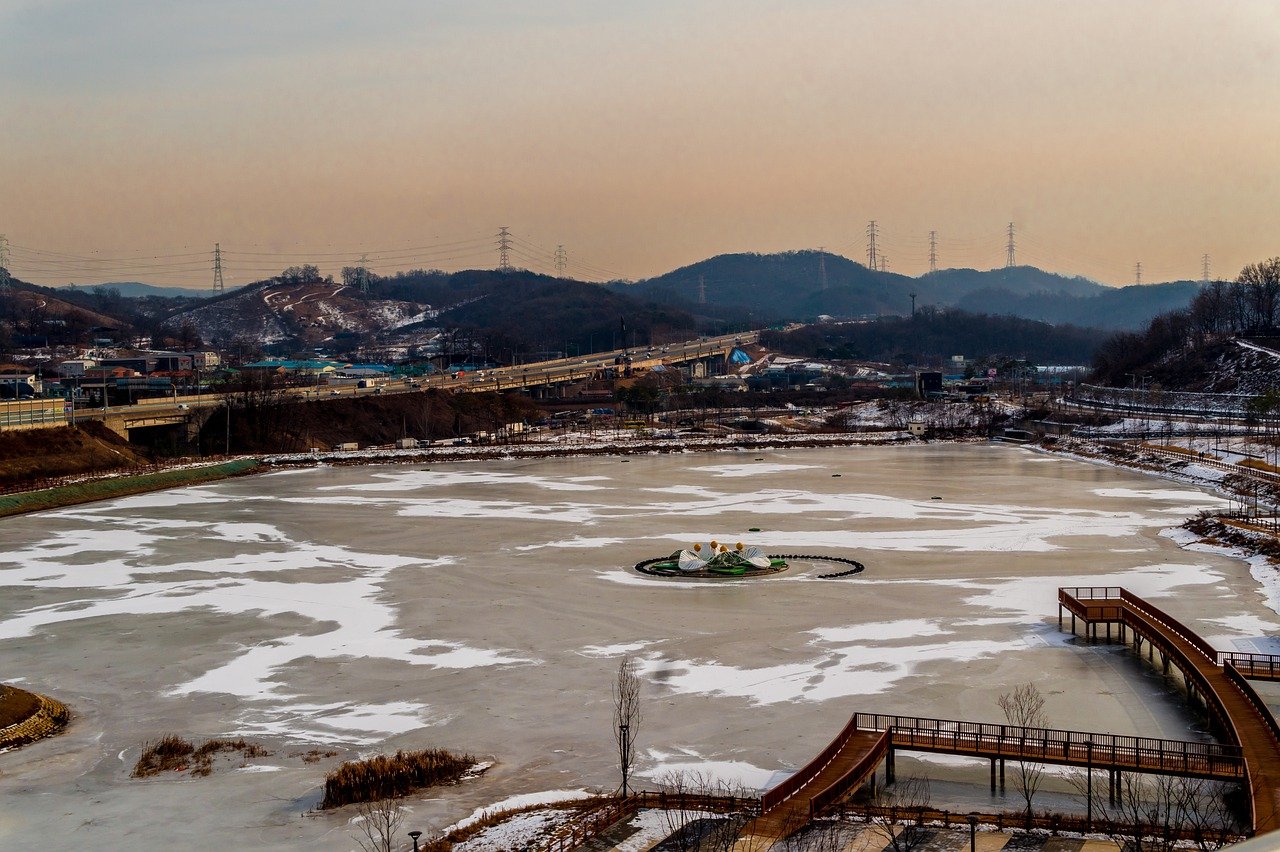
point(1249, 752)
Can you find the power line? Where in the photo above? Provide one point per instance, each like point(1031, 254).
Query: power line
point(933, 258)
point(871, 244)
point(1137, 273)
point(1011, 253)
point(822, 266)
point(561, 261)
point(1204, 268)
point(702, 289)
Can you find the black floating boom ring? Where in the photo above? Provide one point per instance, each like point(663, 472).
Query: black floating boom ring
point(856, 567)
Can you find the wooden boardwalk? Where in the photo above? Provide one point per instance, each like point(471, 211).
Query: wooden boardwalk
point(1251, 753)
point(839, 769)
point(1240, 713)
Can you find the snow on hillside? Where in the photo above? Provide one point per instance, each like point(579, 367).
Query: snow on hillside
point(315, 312)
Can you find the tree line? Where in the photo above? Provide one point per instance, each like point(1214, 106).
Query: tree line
point(936, 333)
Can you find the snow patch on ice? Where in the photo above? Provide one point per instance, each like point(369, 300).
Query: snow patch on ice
point(614, 650)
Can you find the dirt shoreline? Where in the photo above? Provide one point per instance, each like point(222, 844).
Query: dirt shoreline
point(94, 489)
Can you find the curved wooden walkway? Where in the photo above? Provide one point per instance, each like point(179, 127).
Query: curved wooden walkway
point(1251, 753)
point(838, 770)
point(1239, 711)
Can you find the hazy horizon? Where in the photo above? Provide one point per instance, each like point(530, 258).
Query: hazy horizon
point(642, 137)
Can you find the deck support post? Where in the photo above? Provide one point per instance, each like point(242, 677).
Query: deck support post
point(1073, 624)
point(1059, 617)
point(1002, 776)
point(872, 781)
point(889, 773)
point(1164, 663)
point(993, 776)
point(1108, 632)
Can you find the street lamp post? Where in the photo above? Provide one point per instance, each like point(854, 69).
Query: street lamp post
point(624, 733)
point(973, 832)
point(415, 835)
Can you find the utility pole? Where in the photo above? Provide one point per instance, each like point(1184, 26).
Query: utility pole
point(933, 251)
point(822, 266)
point(1137, 273)
point(1011, 253)
point(1204, 267)
point(913, 305)
point(884, 263)
point(871, 245)
point(218, 285)
point(562, 260)
point(4, 266)
point(504, 249)
point(702, 289)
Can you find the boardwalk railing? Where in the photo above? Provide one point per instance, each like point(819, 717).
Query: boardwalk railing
point(851, 778)
point(1233, 674)
point(1051, 745)
point(1117, 613)
point(810, 770)
point(1257, 666)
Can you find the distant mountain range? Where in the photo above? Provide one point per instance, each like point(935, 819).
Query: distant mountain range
point(520, 312)
point(137, 290)
point(803, 285)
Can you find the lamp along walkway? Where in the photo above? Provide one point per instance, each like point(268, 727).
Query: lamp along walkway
point(1251, 753)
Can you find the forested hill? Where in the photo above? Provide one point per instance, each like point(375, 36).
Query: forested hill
point(935, 334)
point(804, 285)
point(1196, 347)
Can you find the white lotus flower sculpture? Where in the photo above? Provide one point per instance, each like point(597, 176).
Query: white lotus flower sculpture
point(713, 554)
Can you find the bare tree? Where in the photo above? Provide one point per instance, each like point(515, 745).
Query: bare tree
point(626, 717)
point(1161, 813)
point(900, 813)
point(1025, 707)
point(690, 799)
point(378, 825)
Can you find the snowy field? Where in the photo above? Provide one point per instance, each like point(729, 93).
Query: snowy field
point(483, 607)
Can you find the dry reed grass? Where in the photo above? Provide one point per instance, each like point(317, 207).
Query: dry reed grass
point(383, 777)
point(173, 753)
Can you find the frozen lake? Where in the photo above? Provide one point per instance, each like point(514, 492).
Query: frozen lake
point(483, 607)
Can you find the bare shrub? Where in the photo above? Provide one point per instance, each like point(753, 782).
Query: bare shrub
point(689, 821)
point(900, 810)
point(1152, 813)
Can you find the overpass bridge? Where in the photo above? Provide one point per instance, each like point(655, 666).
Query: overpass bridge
point(1249, 753)
point(545, 378)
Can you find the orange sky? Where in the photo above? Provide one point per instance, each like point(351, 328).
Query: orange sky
point(642, 136)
